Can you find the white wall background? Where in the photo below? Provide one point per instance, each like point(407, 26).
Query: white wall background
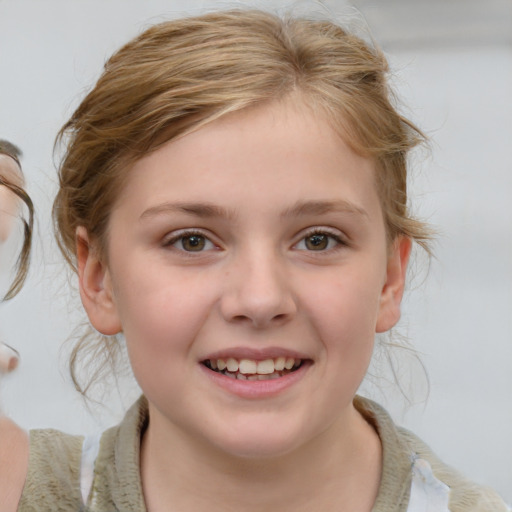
point(453, 63)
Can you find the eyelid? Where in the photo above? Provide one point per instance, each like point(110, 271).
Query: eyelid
point(171, 238)
point(335, 234)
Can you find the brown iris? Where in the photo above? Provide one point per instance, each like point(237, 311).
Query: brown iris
point(317, 242)
point(193, 243)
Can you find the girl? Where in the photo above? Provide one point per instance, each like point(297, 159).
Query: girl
point(233, 199)
point(11, 191)
point(14, 442)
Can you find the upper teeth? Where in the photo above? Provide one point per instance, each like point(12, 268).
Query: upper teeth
point(251, 366)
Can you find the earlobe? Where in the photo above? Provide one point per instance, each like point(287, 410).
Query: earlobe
point(392, 292)
point(95, 286)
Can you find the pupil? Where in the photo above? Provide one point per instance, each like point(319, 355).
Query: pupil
point(316, 242)
point(193, 243)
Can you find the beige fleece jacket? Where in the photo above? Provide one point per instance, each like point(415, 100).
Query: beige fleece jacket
point(53, 480)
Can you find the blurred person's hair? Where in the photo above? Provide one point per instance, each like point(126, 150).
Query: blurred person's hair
point(23, 261)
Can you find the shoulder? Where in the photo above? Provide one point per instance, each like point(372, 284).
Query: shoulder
point(116, 484)
point(103, 470)
point(412, 472)
point(14, 461)
point(53, 475)
point(465, 495)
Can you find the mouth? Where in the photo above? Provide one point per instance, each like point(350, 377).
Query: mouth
point(252, 370)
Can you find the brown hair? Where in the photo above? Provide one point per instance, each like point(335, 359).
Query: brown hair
point(23, 261)
point(180, 75)
point(10, 149)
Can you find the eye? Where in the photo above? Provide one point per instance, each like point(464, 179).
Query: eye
point(319, 241)
point(191, 242)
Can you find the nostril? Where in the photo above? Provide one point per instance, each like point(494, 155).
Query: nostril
point(259, 295)
point(260, 320)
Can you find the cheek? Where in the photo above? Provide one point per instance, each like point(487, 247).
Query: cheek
point(161, 317)
point(347, 305)
point(158, 333)
point(344, 313)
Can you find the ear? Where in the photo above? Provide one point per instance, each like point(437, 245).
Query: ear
point(393, 290)
point(96, 286)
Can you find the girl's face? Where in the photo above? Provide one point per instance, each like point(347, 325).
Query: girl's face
point(255, 242)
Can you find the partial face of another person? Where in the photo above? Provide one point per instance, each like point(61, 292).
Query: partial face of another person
point(9, 202)
point(9, 208)
point(248, 268)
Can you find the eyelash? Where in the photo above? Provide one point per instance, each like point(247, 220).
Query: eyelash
point(339, 241)
point(183, 235)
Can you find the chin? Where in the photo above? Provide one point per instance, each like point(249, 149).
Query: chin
point(260, 440)
point(258, 449)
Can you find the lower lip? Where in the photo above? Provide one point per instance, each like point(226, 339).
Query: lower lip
point(257, 389)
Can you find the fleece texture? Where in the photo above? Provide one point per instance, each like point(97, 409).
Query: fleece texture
point(53, 480)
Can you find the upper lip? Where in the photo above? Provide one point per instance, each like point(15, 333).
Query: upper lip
point(255, 354)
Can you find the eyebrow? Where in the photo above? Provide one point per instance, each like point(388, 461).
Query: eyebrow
point(209, 210)
point(203, 210)
point(323, 207)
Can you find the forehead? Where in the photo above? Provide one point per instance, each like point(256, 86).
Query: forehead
point(273, 155)
point(10, 170)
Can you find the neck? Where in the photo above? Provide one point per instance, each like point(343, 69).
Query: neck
point(341, 468)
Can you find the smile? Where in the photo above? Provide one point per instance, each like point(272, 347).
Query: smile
point(250, 369)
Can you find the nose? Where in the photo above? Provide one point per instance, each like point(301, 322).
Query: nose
point(258, 290)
